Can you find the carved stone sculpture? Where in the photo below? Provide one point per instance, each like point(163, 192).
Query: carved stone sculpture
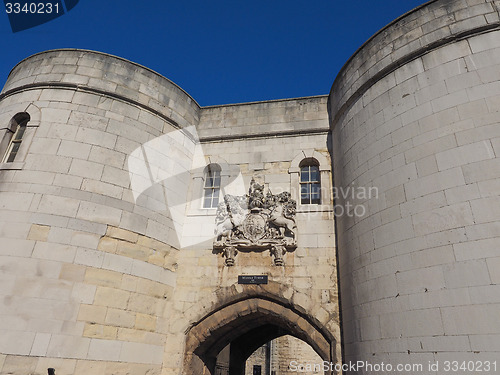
point(256, 222)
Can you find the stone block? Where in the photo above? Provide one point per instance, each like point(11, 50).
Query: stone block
point(100, 331)
point(393, 232)
point(117, 263)
point(142, 304)
point(53, 251)
point(494, 269)
point(95, 137)
point(462, 193)
point(419, 280)
point(133, 222)
point(444, 218)
point(89, 257)
point(484, 42)
point(91, 367)
point(132, 250)
point(141, 353)
point(63, 346)
point(39, 232)
point(99, 213)
point(425, 322)
point(432, 257)
point(106, 156)
point(424, 203)
point(116, 176)
point(120, 318)
point(86, 169)
point(16, 247)
point(83, 293)
point(482, 170)
point(92, 314)
point(472, 319)
point(480, 249)
point(18, 365)
point(64, 180)
point(434, 182)
point(122, 234)
point(96, 276)
point(63, 206)
point(52, 115)
point(107, 245)
point(111, 297)
point(484, 343)
point(410, 70)
point(439, 344)
point(104, 350)
point(145, 322)
point(486, 209)
point(15, 342)
point(482, 231)
point(466, 274)
point(463, 155)
point(15, 201)
point(102, 188)
point(40, 345)
point(73, 149)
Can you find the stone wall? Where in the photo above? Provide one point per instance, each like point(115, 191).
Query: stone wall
point(415, 113)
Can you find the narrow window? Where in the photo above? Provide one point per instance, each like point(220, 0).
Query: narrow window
point(18, 127)
point(310, 186)
point(211, 188)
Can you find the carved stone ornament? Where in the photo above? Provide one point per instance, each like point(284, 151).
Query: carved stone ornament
point(256, 222)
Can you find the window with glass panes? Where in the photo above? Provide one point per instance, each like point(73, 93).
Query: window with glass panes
point(211, 188)
point(310, 187)
point(15, 143)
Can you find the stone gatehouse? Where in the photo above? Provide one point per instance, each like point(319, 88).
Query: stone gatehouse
point(143, 234)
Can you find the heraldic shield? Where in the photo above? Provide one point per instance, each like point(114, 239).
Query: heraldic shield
point(256, 222)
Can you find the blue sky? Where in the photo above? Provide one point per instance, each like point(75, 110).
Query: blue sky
point(218, 51)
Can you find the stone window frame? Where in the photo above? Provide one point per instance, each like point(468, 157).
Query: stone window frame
point(31, 115)
point(309, 163)
point(326, 200)
point(196, 194)
point(211, 189)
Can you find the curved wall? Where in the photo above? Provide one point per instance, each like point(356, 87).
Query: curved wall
point(415, 113)
point(87, 262)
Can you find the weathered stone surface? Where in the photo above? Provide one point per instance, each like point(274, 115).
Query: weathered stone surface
point(107, 260)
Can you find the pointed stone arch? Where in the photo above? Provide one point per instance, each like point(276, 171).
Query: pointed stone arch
point(248, 324)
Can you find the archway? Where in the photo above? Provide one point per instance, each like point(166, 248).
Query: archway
point(248, 324)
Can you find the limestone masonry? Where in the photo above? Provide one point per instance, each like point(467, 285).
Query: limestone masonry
point(371, 215)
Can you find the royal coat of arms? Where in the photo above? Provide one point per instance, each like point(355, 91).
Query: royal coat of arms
point(256, 222)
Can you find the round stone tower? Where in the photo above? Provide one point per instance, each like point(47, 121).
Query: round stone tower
point(415, 119)
point(87, 258)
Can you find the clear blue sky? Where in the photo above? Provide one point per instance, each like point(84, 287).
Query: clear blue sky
point(218, 51)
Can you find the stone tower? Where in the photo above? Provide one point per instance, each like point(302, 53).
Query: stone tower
point(415, 112)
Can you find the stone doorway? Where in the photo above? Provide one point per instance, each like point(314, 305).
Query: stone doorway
point(245, 326)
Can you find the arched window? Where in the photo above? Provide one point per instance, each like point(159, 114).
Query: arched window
point(310, 182)
point(16, 129)
point(211, 186)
